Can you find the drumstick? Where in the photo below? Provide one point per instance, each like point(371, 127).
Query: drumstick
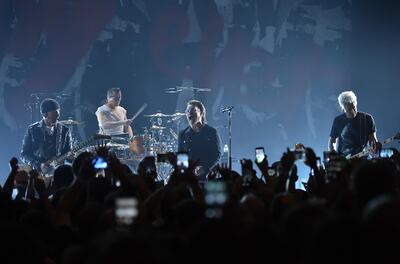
point(139, 111)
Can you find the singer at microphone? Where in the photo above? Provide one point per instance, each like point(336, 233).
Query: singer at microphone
point(199, 140)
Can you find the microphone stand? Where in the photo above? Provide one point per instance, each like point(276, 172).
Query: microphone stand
point(229, 110)
point(230, 140)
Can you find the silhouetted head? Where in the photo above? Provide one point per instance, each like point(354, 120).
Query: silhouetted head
point(63, 176)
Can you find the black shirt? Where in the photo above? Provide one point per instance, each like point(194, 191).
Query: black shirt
point(202, 146)
point(353, 133)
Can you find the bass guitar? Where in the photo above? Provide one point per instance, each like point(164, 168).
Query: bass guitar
point(368, 151)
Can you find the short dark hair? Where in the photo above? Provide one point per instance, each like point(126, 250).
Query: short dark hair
point(113, 90)
point(48, 105)
point(201, 107)
point(63, 176)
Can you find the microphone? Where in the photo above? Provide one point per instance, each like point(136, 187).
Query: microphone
point(228, 108)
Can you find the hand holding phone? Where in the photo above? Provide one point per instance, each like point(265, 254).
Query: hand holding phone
point(126, 210)
point(182, 161)
point(99, 163)
point(260, 154)
point(216, 196)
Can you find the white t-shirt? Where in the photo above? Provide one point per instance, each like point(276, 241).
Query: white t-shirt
point(106, 114)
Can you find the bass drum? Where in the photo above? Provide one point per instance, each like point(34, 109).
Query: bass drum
point(138, 147)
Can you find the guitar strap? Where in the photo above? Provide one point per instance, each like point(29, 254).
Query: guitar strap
point(58, 139)
point(363, 129)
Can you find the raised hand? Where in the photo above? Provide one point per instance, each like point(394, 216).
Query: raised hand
point(14, 164)
point(102, 149)
point(263, 166)
point(311, 158)
point(128, 122)
point(86, 171)
point(287, 160)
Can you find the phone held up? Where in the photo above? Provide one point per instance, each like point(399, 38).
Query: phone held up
point(216, 196)
point(260, 154)
point(99, 164)
point(126, 211)
point(182, 161)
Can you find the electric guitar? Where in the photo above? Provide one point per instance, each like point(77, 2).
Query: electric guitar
point(368, 151)
point(56, 161)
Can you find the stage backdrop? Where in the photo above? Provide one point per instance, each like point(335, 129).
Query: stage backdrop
point(281, 64)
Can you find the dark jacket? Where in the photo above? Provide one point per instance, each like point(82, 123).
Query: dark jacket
point(202, 146)
point(39, 147)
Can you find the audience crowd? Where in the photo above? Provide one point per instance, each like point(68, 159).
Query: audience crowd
point(348, 212)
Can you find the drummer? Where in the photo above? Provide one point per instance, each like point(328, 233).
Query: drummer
point(112, 117)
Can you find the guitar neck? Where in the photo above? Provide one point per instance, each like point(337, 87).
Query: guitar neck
point(81, 145)
point(59, 159)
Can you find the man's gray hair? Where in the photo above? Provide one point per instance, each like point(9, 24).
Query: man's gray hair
point(347, 97)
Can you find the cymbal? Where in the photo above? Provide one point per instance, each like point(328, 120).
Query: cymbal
point(179, 89)
point(117, 145)
point(70, 122)
point(194, 89)
point(171, 90)
point(154, 127)
point(177, 114)
point(158, 115)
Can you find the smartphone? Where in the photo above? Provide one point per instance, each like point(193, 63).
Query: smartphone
point(386, 153)
point(14, 193)
point(162, 157)
point(215, 193)
point(99, 163)
point(260, 154)
point(126, 210)
point(215, 196)
point(182, 160)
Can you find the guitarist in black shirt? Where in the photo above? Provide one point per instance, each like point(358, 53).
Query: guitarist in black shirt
point(352, 130)
point(46, 139)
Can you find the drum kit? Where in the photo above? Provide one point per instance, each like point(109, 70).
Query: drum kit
point(160, 136)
